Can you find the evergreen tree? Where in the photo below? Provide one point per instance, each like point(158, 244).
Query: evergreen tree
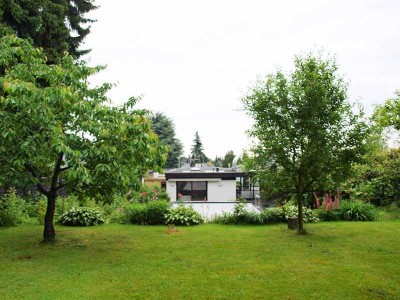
point(165, 129)
point(197, 155)
point(56, 26)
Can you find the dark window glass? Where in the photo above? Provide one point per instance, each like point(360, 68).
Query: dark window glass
point(192, 190)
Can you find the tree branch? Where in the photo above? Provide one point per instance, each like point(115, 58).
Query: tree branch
point(36, 174)
point(57, 170)
point(65, 169)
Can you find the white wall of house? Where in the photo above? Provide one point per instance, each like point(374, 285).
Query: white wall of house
point(217, 190)
point(222, 191)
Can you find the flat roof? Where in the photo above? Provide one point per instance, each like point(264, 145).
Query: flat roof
point(223, 175)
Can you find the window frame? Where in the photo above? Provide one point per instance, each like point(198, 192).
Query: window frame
point(192, 190)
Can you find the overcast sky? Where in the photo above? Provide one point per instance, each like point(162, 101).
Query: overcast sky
point(194, 60)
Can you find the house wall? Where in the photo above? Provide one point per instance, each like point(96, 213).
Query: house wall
point(217, 190)
point(222, 191)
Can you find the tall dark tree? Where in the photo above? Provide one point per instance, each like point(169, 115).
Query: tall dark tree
point(197, 155)
point(56, 26)
point(165, 130)
point(308, 134)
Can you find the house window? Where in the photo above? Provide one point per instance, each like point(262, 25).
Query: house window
point(192, 190)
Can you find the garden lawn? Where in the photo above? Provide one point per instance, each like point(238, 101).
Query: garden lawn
point(336, 260)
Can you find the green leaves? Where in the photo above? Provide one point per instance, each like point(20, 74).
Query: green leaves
point(308, 135)
point(50, 110)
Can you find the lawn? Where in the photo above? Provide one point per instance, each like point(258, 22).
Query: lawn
point(336, 260)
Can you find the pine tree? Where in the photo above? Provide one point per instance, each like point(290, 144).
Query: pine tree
point(57, 26)
point(197, 155)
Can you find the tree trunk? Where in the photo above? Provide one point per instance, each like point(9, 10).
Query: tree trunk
point(49, 233)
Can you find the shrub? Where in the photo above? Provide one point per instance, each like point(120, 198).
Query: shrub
point(225, 218)
point(267, 216)
point(13, 209)
point(254, 218)
point(148, 194)
point(183, 215)
point(115, 210)
point(291, 211)
point(40, 209)
point(326, 215)
point(156, 211)
point(81, 216)
point(273, 215)
point(358, 211)
point(135, 214)
point(152, 213)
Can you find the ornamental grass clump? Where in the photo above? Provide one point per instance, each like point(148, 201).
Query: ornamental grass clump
point(81, 216)
point(358, 211)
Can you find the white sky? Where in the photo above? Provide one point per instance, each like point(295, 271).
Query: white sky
point(194, 60)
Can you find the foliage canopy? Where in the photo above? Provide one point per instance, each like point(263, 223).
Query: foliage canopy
point(57, 132)
point(308, 135)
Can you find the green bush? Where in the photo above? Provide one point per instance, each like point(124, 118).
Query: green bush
point(40, 209)
point(148, 194)
point(254, 218)
point(156, 211)
point(225, 218)
point(116, 210)
point(152, 213)
point(325, 215)
point(81, 216)
point(183, 215)
point(13, 209)
point(357, 211)
point(273, 215)
point(291, 211)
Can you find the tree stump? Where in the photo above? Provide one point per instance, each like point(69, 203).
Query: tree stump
point(293, 223)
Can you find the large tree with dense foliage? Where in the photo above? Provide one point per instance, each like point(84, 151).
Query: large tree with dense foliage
point(54, 25)
point(57, 132)
point(308, 135)
point(165, 130)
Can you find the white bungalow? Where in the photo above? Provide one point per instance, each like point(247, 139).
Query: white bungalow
point(210, 191)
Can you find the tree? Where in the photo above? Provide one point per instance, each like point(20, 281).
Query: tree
point(197, 154)
point(388, 114)
point(165, 130)
point(58, 132)
point(228, 159)
point(308, 135)
point(55, 26)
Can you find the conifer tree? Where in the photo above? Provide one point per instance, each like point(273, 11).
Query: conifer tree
point(197, 155)
point(57, 26)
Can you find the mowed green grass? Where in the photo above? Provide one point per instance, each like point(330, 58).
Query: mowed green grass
point(336, 260)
